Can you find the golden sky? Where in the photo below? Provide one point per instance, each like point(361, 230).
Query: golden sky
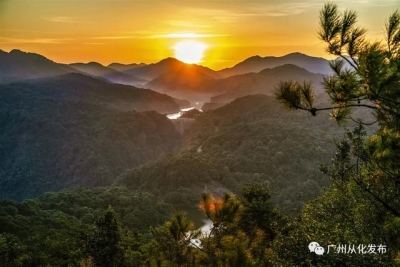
point(146, 31)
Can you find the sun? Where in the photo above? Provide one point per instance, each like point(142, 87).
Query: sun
point(190, 51)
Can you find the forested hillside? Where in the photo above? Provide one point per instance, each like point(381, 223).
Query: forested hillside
point(252, 139)
point(79, 87)
point(55, 229)
point(70, 131)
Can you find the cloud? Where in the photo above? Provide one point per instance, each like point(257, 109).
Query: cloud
point(36, 40)
point(383, 2)
point(145, 34)
point(64, 19)
point(87, 40)
point(284, 8)
point(117, 37)
point(234, 12)
point(220, 15)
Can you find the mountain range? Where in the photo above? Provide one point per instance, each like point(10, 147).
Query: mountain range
point(123, 67)
point(184, 82)
point(257, 63)
point(263, 82)
point(78, 124)
point(173, 77)
point(17, 65)
point(152, 71)
point(110, 74)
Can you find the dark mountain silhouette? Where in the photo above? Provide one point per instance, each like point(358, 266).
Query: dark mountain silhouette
point(75, 130)
point(195, 85)
point(79, 87)
point(263, 82)
point(112, 75)
point(183, 81)
point(124, 67)
point(183, 103)
point(152, 71)
point(257, 63)
point(17, 65)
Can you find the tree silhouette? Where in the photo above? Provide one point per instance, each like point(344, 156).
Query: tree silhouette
point(105, 244)
point(363, 203)
point(370, 79)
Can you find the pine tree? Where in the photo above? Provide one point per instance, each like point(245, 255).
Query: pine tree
point(104, 245)
point(363, 203)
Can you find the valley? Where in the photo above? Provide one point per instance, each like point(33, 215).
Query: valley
point(199, 133)
point(68, 116)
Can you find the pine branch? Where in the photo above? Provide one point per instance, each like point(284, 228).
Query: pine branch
point(366, 188)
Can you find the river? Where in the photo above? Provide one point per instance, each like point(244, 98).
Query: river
point(174, 116)
point(200, 220)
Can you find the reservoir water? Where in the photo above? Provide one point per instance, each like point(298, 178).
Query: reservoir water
point(174, 116)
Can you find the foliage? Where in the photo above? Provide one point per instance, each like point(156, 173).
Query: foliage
point(135, 209)
point(362, 204)
point(343, 215)
point(10, 251)
point(372, 77)
point(172, 244)
point(373, 82)
point(252, 140)
point(104, 244)
point(37, 237)
point(69, 227)
point(51, 139)
point(234, 239)
point(191, 114)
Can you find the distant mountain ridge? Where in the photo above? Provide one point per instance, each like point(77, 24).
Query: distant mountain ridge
point(96, 69)
point(181, 82)
point(18, 65)
point(195, 85)
point(257, 63)
point(122, 67)
point(193, 82)
point(263, 82)
point(152, 71)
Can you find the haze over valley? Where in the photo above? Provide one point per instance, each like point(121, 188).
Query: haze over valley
point(59, 114)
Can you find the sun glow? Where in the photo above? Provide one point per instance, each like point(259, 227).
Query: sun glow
point(190, 51)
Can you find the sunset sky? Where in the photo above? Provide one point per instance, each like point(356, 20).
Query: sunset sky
point(147, 31)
